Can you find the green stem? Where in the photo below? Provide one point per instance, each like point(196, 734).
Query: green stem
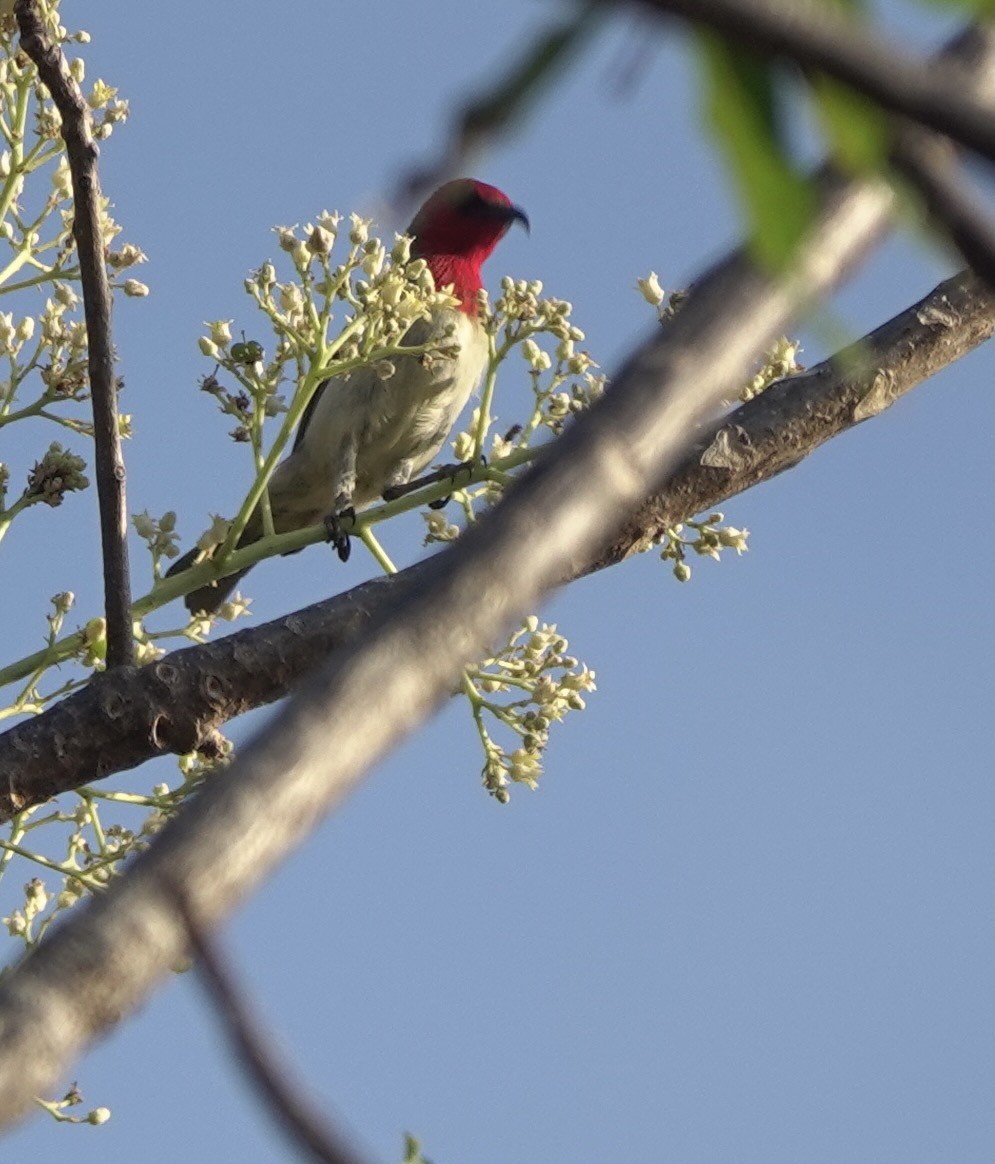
point(38, 859)
point(48, 275)
point(8, 515)
point(129, 798)
point(487, 396)
point(33, 409)
point(17, 831)
point(510, 680)
point(302, 398)
point(22, 256)
point(98, 829)
point(369, 540)
point(8, 191)
point(169, 589)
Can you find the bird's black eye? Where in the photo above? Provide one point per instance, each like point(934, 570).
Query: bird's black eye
point(473, 202)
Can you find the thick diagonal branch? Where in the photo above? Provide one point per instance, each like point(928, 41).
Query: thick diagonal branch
point(82, 154)
point(118, 722)
point(108, 954)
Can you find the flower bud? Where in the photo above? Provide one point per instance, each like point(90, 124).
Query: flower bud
point(285, 237)
point(359, 230)
point(651, 290)
point(220, 330)
point(63, 601)
point(35, 895)
point(400, 252)
point(65, 296)
point(320, 241)
point(144, 525)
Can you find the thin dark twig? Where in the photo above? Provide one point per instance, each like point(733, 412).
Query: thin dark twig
point(929, 165)
point(82, 154)
point(482, 119)
point(820, 36)
point(633, 59)
point(282, 1095)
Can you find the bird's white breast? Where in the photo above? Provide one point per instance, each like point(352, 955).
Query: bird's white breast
point(403, 418)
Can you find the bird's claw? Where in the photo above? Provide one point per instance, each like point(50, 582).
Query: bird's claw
point(444, 472)
point(337, 527)
point(467, 467)
point(453, 472)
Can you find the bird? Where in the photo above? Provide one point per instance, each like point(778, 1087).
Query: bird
point(363, 435)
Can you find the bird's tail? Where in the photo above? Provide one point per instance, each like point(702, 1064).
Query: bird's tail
point(208, 599)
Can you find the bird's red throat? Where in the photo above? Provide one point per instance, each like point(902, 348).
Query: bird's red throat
point(463, 273)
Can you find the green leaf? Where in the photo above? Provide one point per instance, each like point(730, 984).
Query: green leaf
point(531, 73)
point(858, 130)
point(981, 8)
point(742, 107)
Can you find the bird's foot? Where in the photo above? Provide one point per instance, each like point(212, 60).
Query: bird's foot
point(338, 526)
point(443, 473)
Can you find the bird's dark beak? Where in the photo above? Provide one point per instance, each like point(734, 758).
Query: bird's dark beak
point(517, 214)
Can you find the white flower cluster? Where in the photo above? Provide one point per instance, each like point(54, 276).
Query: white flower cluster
point(708, 538)
point(159, 533)
point(543, 683)
point(667, 303)
point(780, 361)
point(326, 319)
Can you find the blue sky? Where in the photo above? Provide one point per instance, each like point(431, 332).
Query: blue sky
point(747, 916)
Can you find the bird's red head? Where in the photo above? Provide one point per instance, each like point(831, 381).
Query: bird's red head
point(456, 230)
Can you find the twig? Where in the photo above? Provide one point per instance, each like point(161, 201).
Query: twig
point(819, 35)
point(283, 1096)
point(485, 117)
point(929, 165)
point(175, 704)
point(82, 154)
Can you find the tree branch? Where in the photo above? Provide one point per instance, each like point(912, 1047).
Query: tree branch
point(929, 92)
point(930, 166)
point(82, 154)
point(481, 120)
point(108, 954)
point(175, 705)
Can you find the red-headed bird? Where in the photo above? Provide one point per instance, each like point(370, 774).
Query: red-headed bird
point(361, 435)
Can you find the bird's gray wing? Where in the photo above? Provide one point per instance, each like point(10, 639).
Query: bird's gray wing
point(312, 404)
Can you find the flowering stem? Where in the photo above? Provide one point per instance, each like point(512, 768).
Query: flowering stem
point(62, 870)
point(484, 411)
point(368, 538)
point(302, 398)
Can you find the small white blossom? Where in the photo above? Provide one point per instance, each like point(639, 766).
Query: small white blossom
point(651, 290)
point(359, 230)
